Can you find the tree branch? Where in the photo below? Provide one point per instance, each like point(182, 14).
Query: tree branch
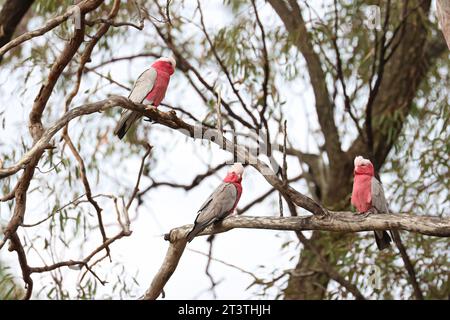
point(195, 182)
point(335, 221)
point(138, 180)
point(85, 6)
point(224, 67)
point(185, 66)
point(10, 16)
point(408, 265)
point(166, 270)
point(17, 246)
point(295, 25)
point(170, 120)
point(36, 127)
point(329, 269)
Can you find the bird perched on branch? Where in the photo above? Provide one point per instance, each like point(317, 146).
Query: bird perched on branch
point(221, 203)
point(368, 196)
point(150, 89)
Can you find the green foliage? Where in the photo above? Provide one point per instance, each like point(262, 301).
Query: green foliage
point(416, 170)
point(9, 288)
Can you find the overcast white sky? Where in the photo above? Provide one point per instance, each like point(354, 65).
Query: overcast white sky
point(179, 159)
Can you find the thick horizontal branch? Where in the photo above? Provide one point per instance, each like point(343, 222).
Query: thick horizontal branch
point(11, 15)
point(334, 221)
point(169, 119)
point(85, 6)
point(342, 221)
point(44, 141)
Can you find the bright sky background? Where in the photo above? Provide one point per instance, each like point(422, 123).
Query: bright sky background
point(179, 159)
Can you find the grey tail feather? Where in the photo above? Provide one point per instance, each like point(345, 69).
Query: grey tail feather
point(382, 239)
point(196, 230)
point(125, 123)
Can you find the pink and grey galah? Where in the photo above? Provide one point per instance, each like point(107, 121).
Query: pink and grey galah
point(150, 89)
point(368, 196)
point(221, 203)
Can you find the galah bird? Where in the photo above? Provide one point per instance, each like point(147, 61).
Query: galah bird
point(221, 203)
point(150, 89)
point(368, 196)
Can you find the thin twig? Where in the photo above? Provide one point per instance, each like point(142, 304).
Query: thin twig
point(284, 168)
point(219, 112)
point(16, 245)
point(225, 263)
point(141, 170)
point(408, 265)
point(208, 264)
point(87, 188)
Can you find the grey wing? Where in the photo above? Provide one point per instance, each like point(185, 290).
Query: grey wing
point(378, 198)
point(143, 85)
point(218, 205)
point(213, 195)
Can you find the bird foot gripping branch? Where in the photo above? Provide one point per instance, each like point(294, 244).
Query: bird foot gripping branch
point(150, 108)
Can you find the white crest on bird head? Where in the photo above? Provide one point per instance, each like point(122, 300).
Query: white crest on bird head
point(237, 168)
point(360, 161)
point(171, 60)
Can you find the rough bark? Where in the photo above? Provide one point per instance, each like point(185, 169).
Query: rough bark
point(403, 73)
point(335, 221)
point(10, 16)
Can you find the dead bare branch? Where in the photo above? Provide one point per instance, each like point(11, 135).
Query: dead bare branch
point(335, 221)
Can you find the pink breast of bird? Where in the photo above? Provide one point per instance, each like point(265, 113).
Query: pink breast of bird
point(159, 88)
point(238, 196)
point(236, 181)
point(362, 192)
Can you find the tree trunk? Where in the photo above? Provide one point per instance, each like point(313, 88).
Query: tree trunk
point(403, 74)
point(10, 16)
point(310, 281)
